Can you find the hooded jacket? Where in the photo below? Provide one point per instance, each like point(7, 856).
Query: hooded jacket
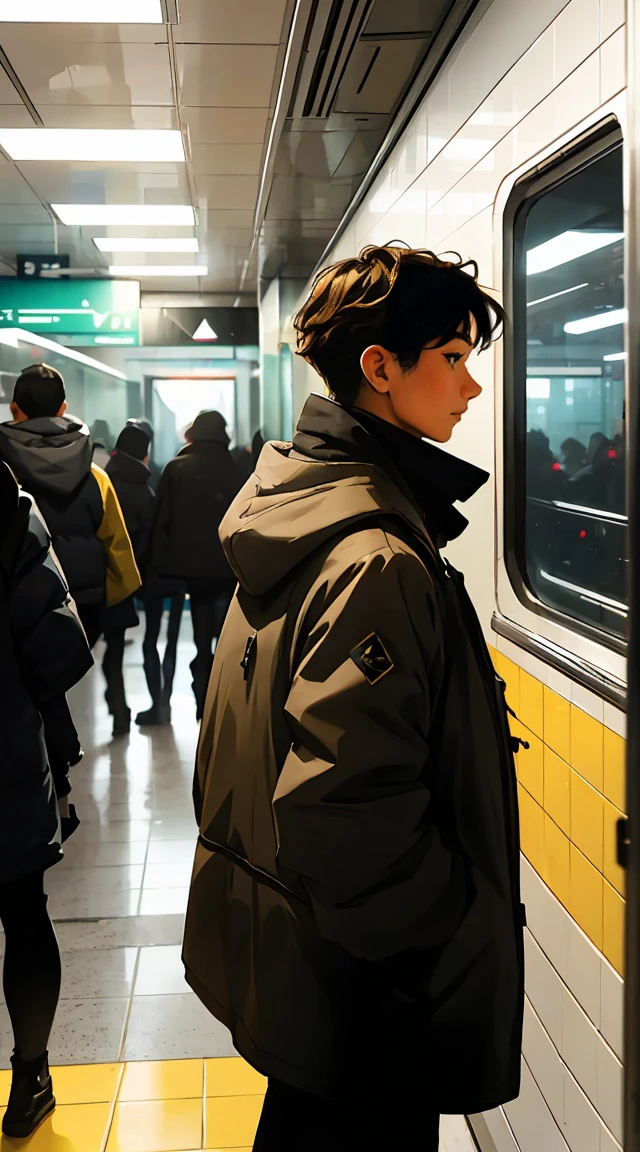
point(354, 907)
point(43, 653)
point(193, 495)
point(51, 458)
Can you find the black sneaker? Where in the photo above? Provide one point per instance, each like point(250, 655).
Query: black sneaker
point(121, 722)
point(157, 714)
point(31, 1098)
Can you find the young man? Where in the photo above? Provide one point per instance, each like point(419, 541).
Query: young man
point(50, 454)
point(355, 914)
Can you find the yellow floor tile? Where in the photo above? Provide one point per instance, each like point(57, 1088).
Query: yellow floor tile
point(163, 1080)
point(156, 1126)
point(615, 769)
point(5, 1084)
point(557, 790)
point(85, 1083)
point(613, 946)
point(557, 723)
point(612, 870)
point(531, 707)
point(586, 896)
point(232, 1121)
point(71, 1128)
point(557, 872)
point(530, 763)
point(587, 819)
point(224, 1150)
point(587, 747)
point(531, 830)
point(231, 1076)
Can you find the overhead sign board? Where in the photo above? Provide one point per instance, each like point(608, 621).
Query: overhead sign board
point(84, 313)
point(31, 267)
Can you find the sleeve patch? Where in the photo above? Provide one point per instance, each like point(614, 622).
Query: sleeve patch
point(372, 658)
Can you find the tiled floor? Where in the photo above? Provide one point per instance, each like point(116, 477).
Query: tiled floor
point(141, 1066)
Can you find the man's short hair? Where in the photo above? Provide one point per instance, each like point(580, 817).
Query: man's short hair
point(39, 391)
point(405, 299)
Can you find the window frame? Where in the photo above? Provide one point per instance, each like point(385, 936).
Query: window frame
point(582, 151)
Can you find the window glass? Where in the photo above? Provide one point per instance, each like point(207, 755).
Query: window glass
point(575, 499)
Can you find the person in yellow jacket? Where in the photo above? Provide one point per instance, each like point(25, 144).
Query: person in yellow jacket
point(50, 454)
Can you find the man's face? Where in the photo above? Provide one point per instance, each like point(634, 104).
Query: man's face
point(428, 400)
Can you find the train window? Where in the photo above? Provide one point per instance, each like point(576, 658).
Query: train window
point(568, 373)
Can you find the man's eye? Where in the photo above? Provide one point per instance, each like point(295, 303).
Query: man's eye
point(453, 357)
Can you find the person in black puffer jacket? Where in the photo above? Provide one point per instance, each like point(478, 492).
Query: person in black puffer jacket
point(194, 493)
point(43, 653)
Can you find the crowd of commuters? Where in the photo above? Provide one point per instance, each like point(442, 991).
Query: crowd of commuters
point(354, 915)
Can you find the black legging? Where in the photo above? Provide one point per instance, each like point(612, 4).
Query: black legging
point(112, 662)
point(159, 676)
point(32, 971)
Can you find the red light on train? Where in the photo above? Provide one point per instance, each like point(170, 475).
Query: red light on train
point(556, 466)
point(612, 453)
point(582, 534)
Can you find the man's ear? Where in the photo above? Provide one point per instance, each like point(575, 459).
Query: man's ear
point(374, 363)
point(62, 409)
point(16, 411)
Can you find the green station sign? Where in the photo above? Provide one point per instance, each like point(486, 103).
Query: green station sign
point(84, 313)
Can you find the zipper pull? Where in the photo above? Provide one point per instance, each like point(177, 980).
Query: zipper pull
point(516, 742)
point(249, 655)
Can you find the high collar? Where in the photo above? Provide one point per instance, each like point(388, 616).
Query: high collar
point(434, 479)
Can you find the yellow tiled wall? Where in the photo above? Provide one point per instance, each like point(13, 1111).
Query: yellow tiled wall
point(571, 785)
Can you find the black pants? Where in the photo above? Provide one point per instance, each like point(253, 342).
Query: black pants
point(210, 601)
point(31, 974)
point(112, 662)
point(159, 676)
point(91, 620)
point(293, 1121)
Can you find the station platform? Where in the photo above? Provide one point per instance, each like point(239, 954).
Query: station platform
point(138, 1063)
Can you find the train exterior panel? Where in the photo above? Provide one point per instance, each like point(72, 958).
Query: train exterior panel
point(523, 82)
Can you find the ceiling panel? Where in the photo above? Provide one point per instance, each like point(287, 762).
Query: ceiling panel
point(80, 72)
point(225, 125)
point(221, 22)
point(214, 75)
point(217, 218)
point(109, 116)
point(226, 159)
point(116, 184)
point(15, 35)
point(17, 214)
point(14, 116)
point(227, 191)
point(8, 94)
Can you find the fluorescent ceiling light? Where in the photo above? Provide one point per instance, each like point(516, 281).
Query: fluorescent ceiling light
point(594, 323)
point(543, 299)
point(81, 12)
point(168, 270)
point(567, 246)
point(204, 331)
point(153, 215)
point(103, 145)
point(538, 388)
point(139, 244)
point(616, 356)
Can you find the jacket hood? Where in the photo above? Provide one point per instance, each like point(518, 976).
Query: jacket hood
point(50, 452)
point(296, 501)
point(121, 466)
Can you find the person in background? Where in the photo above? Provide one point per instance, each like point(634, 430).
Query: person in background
point(43, 653)
point(50, 455)
point(354, 915)
point(257, 444)
point(243, 457)
point(573, 456)
point(128, 471)
point(102, 442)
point(194, 493)
point(154, 469)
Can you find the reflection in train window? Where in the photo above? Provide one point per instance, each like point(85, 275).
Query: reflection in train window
point(575, 501)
